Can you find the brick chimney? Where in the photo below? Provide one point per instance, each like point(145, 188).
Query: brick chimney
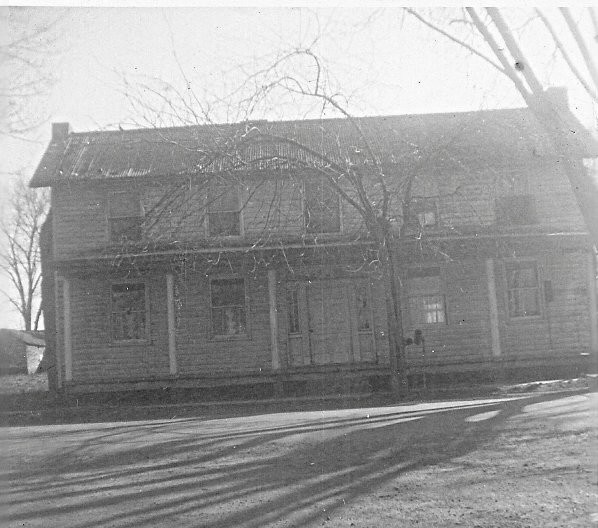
point(60, 131)
point(558, 96)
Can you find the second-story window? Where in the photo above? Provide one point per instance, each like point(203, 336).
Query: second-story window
point(322, 209)
point(424, 212)
point(516, 210)
point(224, 212)
point(125, 217)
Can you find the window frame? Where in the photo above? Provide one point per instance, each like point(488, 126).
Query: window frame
point(538, 288)
point(367, 288)
point(147, 329)
point(504, 221)
point(293, 290)
point(239, 212)
point(243, 335)
point(415, 214)
point(305, 211)
point(414, 318)
point(140, 217)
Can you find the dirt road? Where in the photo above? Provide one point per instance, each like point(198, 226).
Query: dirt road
point(527, 461)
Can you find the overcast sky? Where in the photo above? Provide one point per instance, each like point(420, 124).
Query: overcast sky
point(383, 63)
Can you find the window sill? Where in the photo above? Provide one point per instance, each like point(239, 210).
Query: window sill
point(130, 342)
point(235, 337)
point(525, 318)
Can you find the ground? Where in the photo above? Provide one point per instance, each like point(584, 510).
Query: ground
point(515, 461)
point(21, 383)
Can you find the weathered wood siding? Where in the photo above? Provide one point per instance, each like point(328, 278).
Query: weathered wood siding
point(273, 208)
point(562, 330)
point(563, 327)
point(198, 351)
point(94, 356)
point(465, 336)
point(468, 198)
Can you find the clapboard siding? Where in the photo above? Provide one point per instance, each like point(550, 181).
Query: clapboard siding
point(273, 208)
point(466, 334)
point(563, 327)
point(95, 356)
point(561, 330)
point(198, 352)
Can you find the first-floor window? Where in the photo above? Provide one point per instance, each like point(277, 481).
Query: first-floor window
point(427, 303)
point(129, 312)
point(523, 288)
point(228, 307)
point(364, 312)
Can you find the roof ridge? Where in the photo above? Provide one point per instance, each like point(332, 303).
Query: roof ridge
point(303, 121)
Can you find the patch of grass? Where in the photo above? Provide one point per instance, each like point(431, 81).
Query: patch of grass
point(23, 383)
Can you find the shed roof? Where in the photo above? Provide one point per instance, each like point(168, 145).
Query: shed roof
point(491, 135)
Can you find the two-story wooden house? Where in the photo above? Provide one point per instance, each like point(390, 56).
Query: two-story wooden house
point(176, 257)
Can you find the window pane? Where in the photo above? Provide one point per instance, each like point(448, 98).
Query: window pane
point(524, 302)
point(423, 211)
point(224, 224)
point(322, 210)
point(363, 310)
point(128, 319)
point(125, 204)
point(522, 275)
point(229, 320)
point(228, 307)
point(427, 309)
point(224, 200)
point(293, 309)
point(125, 229)
point(523, 289)
point(516, 210)
point(226, 292)
point(433, 307)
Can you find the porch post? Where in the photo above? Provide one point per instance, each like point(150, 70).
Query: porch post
point(593, 308)
point(68, 351)
point(273, 319)
point(171, 323)
point(493, 305)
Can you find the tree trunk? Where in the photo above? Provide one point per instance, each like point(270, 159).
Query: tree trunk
point(392, 285)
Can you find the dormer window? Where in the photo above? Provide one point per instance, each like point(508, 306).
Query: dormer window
point(322, 209)
point(516, 210)
point(224, 213)
point(125, 217)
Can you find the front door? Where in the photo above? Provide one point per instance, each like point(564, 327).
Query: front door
point(329, 322)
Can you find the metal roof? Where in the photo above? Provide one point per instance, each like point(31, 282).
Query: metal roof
point(409, 140)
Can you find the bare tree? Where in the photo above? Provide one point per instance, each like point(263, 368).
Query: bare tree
point(28, 45)
point(342, 162)
point(20, 255)
point(491, 30)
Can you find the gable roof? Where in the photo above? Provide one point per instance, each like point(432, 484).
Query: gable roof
point(491, 135)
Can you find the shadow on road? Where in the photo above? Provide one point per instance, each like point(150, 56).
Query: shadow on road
point(245, 472)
